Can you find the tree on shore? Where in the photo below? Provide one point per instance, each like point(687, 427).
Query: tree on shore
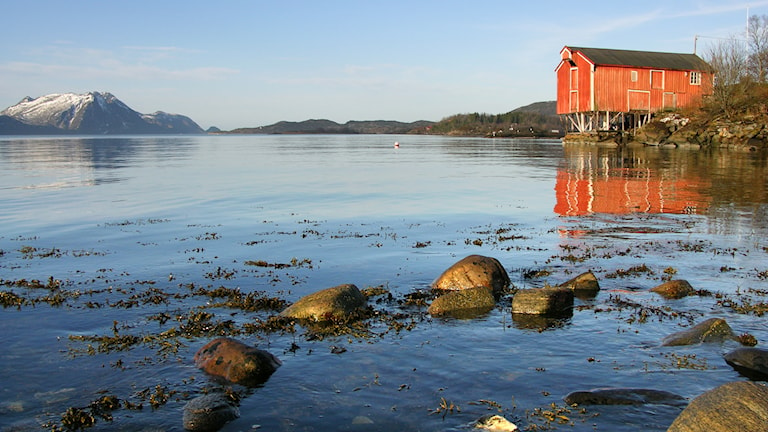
point(741, 69)
point(757, 46)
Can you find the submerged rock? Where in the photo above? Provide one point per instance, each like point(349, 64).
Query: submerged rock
point(674, 289)
point(472, 272)
point(540, 322)
point(552, 301)
point(209, 412)
point(624, 396)
point(339, 302)
point(735, 406)
point(467, 303)
point(585, 284)
point(236, 362)
point(495, 423)
point(750, 362)
point(711, 330)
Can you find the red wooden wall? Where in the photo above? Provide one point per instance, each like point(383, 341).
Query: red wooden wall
point(624, 88)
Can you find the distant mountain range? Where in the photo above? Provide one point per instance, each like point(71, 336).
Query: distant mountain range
point(100, 113)
point(331, 127)
point(539, 116)
point(90, 113)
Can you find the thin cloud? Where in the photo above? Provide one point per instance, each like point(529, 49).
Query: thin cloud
point(716, 9)
point(116, 70)
point(130, 63)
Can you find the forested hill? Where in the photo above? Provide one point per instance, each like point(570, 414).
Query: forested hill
point(538, 119)
point(331, 127)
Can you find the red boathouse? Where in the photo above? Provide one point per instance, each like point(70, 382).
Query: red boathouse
point(607, 89)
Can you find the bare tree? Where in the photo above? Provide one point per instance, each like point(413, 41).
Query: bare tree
point(729, 59)
point(757, 42)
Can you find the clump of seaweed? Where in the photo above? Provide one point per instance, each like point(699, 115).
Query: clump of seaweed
point(747, 339)
point(236, 299)
point(11, 299)
point(78, 418)
point(643, 312)
point(744, 303)
point(445, 407)
point(295, 262)
point(630, 272)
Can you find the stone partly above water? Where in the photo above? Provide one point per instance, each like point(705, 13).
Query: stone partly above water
point(711, 330)
point(674, 289)
point(585, 284)
point(735, 406)
point(624, 396)
point(236, 362)
point(467, 303)
point(339, 302)
point(472, 272)
point(495, 423)
point(209, 412)
point(750, 362)
point(553, 301)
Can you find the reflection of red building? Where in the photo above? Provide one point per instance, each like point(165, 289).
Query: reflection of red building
point(620, 190)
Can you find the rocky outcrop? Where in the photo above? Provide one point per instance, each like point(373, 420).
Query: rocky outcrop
point(495, 423)
point(583, 285)
point(624, 396)
point(341, 302)
point(236, 362)
point(551, 301)
point(467, 303)
point(736, 406)
point(472, 272)
point(711, 330)
point(674, 289)
point(209, 412)
point(747, 132)
point(750, 362)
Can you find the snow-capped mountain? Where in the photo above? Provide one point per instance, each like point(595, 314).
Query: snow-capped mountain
point(90, 113)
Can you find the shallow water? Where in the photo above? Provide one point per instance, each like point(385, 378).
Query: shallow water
point(119, 219)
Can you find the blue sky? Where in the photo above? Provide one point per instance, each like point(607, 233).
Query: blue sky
point(252, 63)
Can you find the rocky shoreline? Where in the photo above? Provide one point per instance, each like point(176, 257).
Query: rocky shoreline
point(676, 130)
point(732, 406)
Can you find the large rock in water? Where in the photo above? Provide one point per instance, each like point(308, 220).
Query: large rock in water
point(209, 412)
point(674, 289)
point(736, 406)
point(472, 272)
point(236, 362)
point(552, 301)
point(624, 396)
point(467, 303)
point(336, 303)
point(584, 285)
point(750, 362)
point(711, 330)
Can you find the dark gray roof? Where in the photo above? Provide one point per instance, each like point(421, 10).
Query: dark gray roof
point(649, 59)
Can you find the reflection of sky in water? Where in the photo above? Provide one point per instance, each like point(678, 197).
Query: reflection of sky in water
point(93, 180)
point(318, 176)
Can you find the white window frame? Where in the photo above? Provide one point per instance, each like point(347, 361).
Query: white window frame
point(659, 86)
point(695, 78)
point(633, 76)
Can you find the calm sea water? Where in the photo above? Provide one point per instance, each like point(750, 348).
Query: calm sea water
point(114, 221)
